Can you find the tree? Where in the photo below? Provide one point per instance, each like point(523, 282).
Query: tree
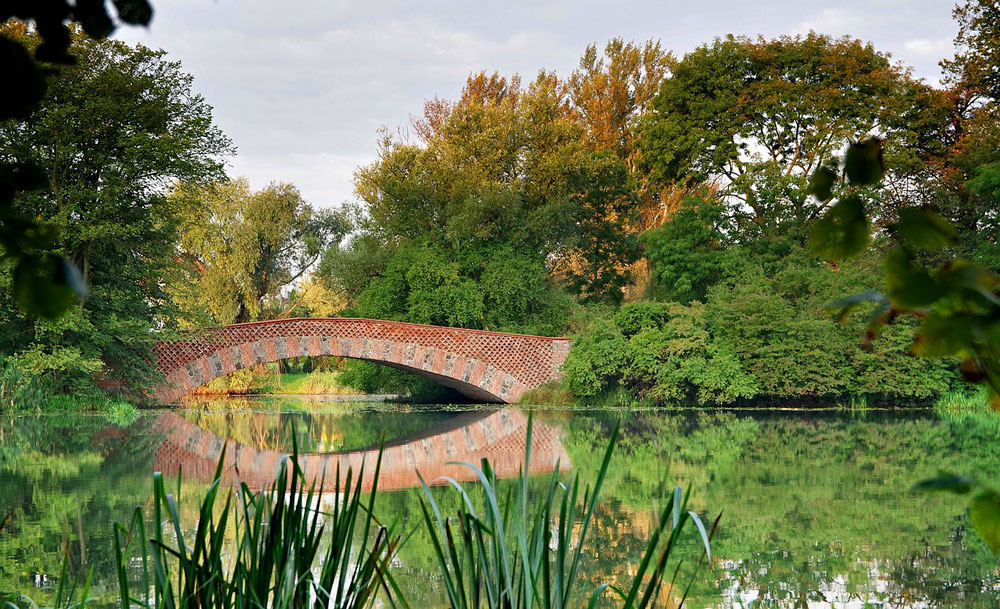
point(978, 46)
point(503, 169)
point(239, 250)
point(690, 252)
point(611, 95)
point(967, 192)
point(758, 117)
point(43, 284)
point(114, 129)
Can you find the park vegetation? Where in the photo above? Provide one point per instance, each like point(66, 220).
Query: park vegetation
point(680, 217)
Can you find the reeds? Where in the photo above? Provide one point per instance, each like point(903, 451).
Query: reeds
point(521, 552)
point(277, 561)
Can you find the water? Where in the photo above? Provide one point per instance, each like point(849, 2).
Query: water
point(816, 511)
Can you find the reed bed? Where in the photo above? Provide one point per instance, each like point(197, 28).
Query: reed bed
point(277, 563)
point(518, 552)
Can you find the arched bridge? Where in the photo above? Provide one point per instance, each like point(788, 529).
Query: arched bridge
point(485, 366)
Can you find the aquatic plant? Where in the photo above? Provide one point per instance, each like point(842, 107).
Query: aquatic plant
point(277, 561)
point(521, 551)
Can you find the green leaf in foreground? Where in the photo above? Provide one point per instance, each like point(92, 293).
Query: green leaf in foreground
point(909, 284)
point(45, 285)
point(925, 229)
point(863, 163)
point(821, 183)
point(943, 335)
point(984, 512)
point(842, 232)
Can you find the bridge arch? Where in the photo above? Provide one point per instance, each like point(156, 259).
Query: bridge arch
point(485, 366)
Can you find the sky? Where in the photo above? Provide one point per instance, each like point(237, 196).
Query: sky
point(304, 86)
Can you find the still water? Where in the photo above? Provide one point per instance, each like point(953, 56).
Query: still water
point(815, 507)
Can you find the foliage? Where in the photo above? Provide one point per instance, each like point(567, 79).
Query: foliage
point(778, 325)
point(978, 46)
point(277, 556)
point(758, 117)
point(240, 249)
point(17, 389)
point(113, 129)
point(660, 352)
point(500, 191)
point(45, 284)
point(689, 251)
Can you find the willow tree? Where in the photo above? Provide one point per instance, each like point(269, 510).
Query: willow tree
point(240, 250)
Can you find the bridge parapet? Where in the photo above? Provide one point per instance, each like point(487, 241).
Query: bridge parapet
point(484, 365)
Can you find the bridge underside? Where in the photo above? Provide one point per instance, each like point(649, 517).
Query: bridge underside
point(484, 366)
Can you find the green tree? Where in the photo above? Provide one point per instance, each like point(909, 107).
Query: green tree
point(43, 284)
point(690, 252)
point(757, 117)
point(115, 127)
point(239, 249)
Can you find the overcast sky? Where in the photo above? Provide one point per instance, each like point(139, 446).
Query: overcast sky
point(302, 86)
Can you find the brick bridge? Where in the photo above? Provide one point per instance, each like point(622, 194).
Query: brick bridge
point(485, 366)
point(499, 435)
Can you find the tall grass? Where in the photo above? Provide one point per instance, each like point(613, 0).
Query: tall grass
point(517, 551)
point(277, 562)
point(963, 401)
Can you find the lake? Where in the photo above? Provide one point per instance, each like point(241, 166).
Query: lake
point(816, 507)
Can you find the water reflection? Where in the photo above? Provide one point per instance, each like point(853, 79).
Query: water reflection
point(816, 508)
point(499, 435)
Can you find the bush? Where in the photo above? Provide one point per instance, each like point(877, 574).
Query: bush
point(661, 352)
point(778, 326)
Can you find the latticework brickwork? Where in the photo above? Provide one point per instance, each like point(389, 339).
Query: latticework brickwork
point(487, 366)
point(501, 436)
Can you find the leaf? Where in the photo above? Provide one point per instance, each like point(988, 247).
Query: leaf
point(863, 162)
point(134, 12)
point(821, 183)
point(94, 18)
point(842, 231)
point(946, 481)
point(909, 285)
point(844, 306)
point(943, 335)
point(20, 100)
point(984, 512)
point(969, 280)
point(925, 229)
point(44, 286)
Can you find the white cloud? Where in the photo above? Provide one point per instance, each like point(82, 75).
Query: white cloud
point(931, 48)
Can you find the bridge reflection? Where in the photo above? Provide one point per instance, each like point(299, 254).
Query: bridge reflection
point(500, 435)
